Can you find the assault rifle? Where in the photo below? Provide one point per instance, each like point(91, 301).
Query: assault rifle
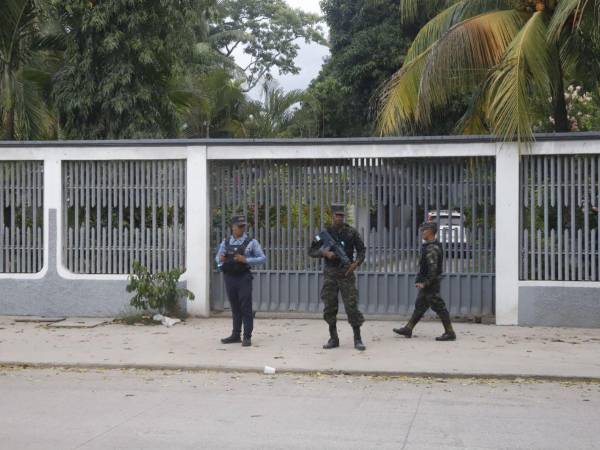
point(328, 242)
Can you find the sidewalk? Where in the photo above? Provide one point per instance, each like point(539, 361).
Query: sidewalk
point(294, 345)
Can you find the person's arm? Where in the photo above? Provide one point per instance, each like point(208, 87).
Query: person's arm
point(315, 249)
point(256, 256)
point(220, 252)
point(361, 250)
point(433, 256)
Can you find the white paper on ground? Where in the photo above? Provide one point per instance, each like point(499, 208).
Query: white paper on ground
point(166, 321)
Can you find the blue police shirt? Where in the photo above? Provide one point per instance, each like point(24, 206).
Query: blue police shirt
point(254, 253)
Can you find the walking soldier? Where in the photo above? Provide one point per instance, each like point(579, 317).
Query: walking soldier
point(337, 246)
point(235, 257)
point(428, 283)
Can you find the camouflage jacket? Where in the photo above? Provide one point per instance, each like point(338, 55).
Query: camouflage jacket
point(348, 238)
point(430, 264)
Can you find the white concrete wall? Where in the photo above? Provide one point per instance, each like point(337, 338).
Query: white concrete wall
point(198, 258)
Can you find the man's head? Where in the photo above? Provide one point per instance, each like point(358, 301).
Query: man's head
point(428, 231)
point(338, 214)
point(238, 225)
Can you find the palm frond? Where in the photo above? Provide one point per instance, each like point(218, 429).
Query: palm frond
point(473, 120)
point(459, 58)
point(411, 10)
point(565, 11)
point(448, 18)
point(525, 69)
point(399, 98)
point(462, 57)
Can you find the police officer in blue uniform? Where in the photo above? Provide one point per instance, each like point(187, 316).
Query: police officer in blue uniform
point(235, 258)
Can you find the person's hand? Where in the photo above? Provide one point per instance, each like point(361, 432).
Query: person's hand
point(240, 259)
point(222, 258)
point(351, 268)
point(328, 254)
point(420, 285)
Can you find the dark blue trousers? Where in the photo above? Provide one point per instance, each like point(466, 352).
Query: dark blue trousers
point(239, 292)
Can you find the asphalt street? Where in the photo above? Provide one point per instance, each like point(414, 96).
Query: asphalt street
point(137, 409)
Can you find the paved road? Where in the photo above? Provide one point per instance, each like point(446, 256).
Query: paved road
point(135, 409)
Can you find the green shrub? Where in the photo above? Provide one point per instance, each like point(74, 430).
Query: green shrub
point(156, 291)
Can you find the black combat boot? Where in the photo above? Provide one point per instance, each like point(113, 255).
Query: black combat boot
point(334, 340)
point(233, 339)
point(404, 331)
point(358, 343)
point(246, 342)
point(449, 334)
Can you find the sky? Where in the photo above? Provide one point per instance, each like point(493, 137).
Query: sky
point(310, 57)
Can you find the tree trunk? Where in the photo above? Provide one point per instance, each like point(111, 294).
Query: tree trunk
point(561, 119)
point(10, 125)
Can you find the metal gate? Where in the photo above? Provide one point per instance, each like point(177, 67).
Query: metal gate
point(287, 203)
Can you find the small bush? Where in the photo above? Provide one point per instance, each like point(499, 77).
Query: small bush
point(158, 291)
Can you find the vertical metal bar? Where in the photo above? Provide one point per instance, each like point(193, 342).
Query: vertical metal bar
point(546, 273)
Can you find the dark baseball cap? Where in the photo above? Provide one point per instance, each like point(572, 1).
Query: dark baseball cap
point(238, 219)
point(429, 226)
point(338, 208)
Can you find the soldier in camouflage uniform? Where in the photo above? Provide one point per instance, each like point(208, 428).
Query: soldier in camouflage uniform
point(428, 283)
point(340, 278)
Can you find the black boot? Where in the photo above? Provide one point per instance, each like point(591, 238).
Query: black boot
point(233, 339)
point(404, 331)
point(358, 343)
point(449, 334)
point(334, 340)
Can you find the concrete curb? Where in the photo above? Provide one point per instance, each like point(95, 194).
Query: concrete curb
point(300, 371)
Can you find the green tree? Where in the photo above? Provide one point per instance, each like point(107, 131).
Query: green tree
point(273, 115)
point(121, 57)
point(267, 31)
point(210, 104)
point(24, 72)
point(497, 53)
point(368, 43)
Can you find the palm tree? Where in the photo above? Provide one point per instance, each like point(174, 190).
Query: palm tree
point(24, 76)
point(273, 115)
point(209, 103)
point(499, 53)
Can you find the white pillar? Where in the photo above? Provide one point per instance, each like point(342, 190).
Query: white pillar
point(507, 234)
point(197, 232)
point(52, 200)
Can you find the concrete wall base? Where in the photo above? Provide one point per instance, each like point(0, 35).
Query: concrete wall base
point(559, 306)
point(53, 295)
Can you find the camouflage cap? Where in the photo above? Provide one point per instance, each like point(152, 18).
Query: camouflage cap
point(429, 226)
point(338, 208)
point(238, 219)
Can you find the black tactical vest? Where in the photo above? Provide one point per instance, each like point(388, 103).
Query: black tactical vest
point(229, 265)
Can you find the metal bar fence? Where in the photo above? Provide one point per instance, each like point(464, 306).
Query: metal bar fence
point(117, 212)
point(287, 203)
point(21, 216)
point(560, 196)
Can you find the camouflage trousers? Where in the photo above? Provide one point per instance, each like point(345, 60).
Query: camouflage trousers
point(429, 298)
point(337, 282)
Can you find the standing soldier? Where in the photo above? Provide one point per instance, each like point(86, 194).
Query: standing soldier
point(428, 283)
point(235, 257)
point(338, 250)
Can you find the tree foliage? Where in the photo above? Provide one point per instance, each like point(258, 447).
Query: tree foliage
point(25, 70)
point(119, 59)
point(266, 31)
point(368, 43)
point(499, 54)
